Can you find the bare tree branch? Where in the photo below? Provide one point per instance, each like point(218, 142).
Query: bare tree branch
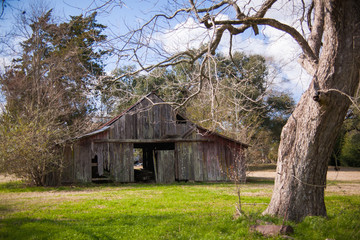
point(278, 25)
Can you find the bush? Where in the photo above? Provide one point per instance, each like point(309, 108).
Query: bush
point(350, 152)
point(29, 148)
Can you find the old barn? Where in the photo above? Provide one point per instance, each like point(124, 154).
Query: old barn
point(151, 142)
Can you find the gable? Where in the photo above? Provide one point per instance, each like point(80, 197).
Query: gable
point(152, 118)
point(149, 118)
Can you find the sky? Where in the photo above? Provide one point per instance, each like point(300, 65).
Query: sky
point(281, 50)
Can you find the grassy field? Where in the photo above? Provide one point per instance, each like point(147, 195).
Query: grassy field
point(151, 211)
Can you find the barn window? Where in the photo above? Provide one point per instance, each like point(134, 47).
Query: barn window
point(180, 119)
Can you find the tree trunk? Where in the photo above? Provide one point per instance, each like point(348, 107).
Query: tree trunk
point(308, 138)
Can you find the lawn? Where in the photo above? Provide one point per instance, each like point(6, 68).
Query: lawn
point(152, 211)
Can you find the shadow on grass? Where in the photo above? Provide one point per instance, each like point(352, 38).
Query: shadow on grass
point(32, 228)
point(125, 226)
point(260, 180)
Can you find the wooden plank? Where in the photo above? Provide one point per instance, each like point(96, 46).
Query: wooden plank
point(145, 124)
point(204, 160)
point(176, 161)
point(190, 160)
point(122, 128)
point(68, 172)
point(150, 132)
point(165, 166)
point(100, 179)
point(122, 162)
point(184, 163)
point(135, 126)
point(181, 162)
point(100, 157)
point(157, 121)
point(222, 161)
point(84, 170)
point(168, 121)
point(77, 162)
point(128, 160)
point(139, 130)
point(198, 163)
point(210, 162)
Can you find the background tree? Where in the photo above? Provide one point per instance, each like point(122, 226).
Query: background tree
point(119, 91)
point(47, 93)
point(236, 100)
point(331, 54)
point(347, 148)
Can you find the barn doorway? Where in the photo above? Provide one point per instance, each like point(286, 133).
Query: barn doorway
point(152, 160)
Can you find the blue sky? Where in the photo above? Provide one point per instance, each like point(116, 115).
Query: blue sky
point(281, 50)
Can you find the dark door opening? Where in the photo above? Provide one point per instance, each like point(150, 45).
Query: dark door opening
point(145, 154)
point(96, 177)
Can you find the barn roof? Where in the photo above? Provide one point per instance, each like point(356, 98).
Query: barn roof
point(106, 126)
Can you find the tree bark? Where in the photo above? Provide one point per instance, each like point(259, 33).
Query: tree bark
point(308, 137)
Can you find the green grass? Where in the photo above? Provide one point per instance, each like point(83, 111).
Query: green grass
point(178, 211)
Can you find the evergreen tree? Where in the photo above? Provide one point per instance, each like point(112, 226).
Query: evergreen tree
point(47, 93)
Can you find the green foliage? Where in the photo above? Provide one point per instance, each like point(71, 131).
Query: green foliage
point(279, 106)
point(58, 65)
point(350, 151)
point(347, 148)
point(47, 95)
point(342, 221)
point(116, 93)
point(121, 90)
point(28, 149)
point(231, 97)
point(237, 102)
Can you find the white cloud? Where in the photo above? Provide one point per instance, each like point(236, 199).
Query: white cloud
point(186, 35)
point(273, 44)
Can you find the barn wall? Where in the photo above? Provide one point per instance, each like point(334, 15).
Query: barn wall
point(122, 162)
point(148, 121)
point(68, 175)
point(82, 161)
point(209, 159)
point(165, 166)
point(215, 160)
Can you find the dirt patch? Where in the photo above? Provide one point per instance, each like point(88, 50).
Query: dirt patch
point(48, 196)
point(8, 178)
point(344, 174)
point(345, 181)
point(343, 188)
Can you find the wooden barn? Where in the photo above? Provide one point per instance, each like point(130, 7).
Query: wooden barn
point(151, 142)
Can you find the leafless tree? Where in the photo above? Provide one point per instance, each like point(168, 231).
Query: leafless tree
point(328, 34)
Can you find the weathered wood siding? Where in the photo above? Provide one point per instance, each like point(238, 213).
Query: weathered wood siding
point(82, 163)
point(122, 162)
point(165, 166)
point(68, 175)
point(148, 121)
point(209, 161)
point(210, 157)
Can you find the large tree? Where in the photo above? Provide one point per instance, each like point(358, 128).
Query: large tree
point(47, 94)
point(330, 53)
